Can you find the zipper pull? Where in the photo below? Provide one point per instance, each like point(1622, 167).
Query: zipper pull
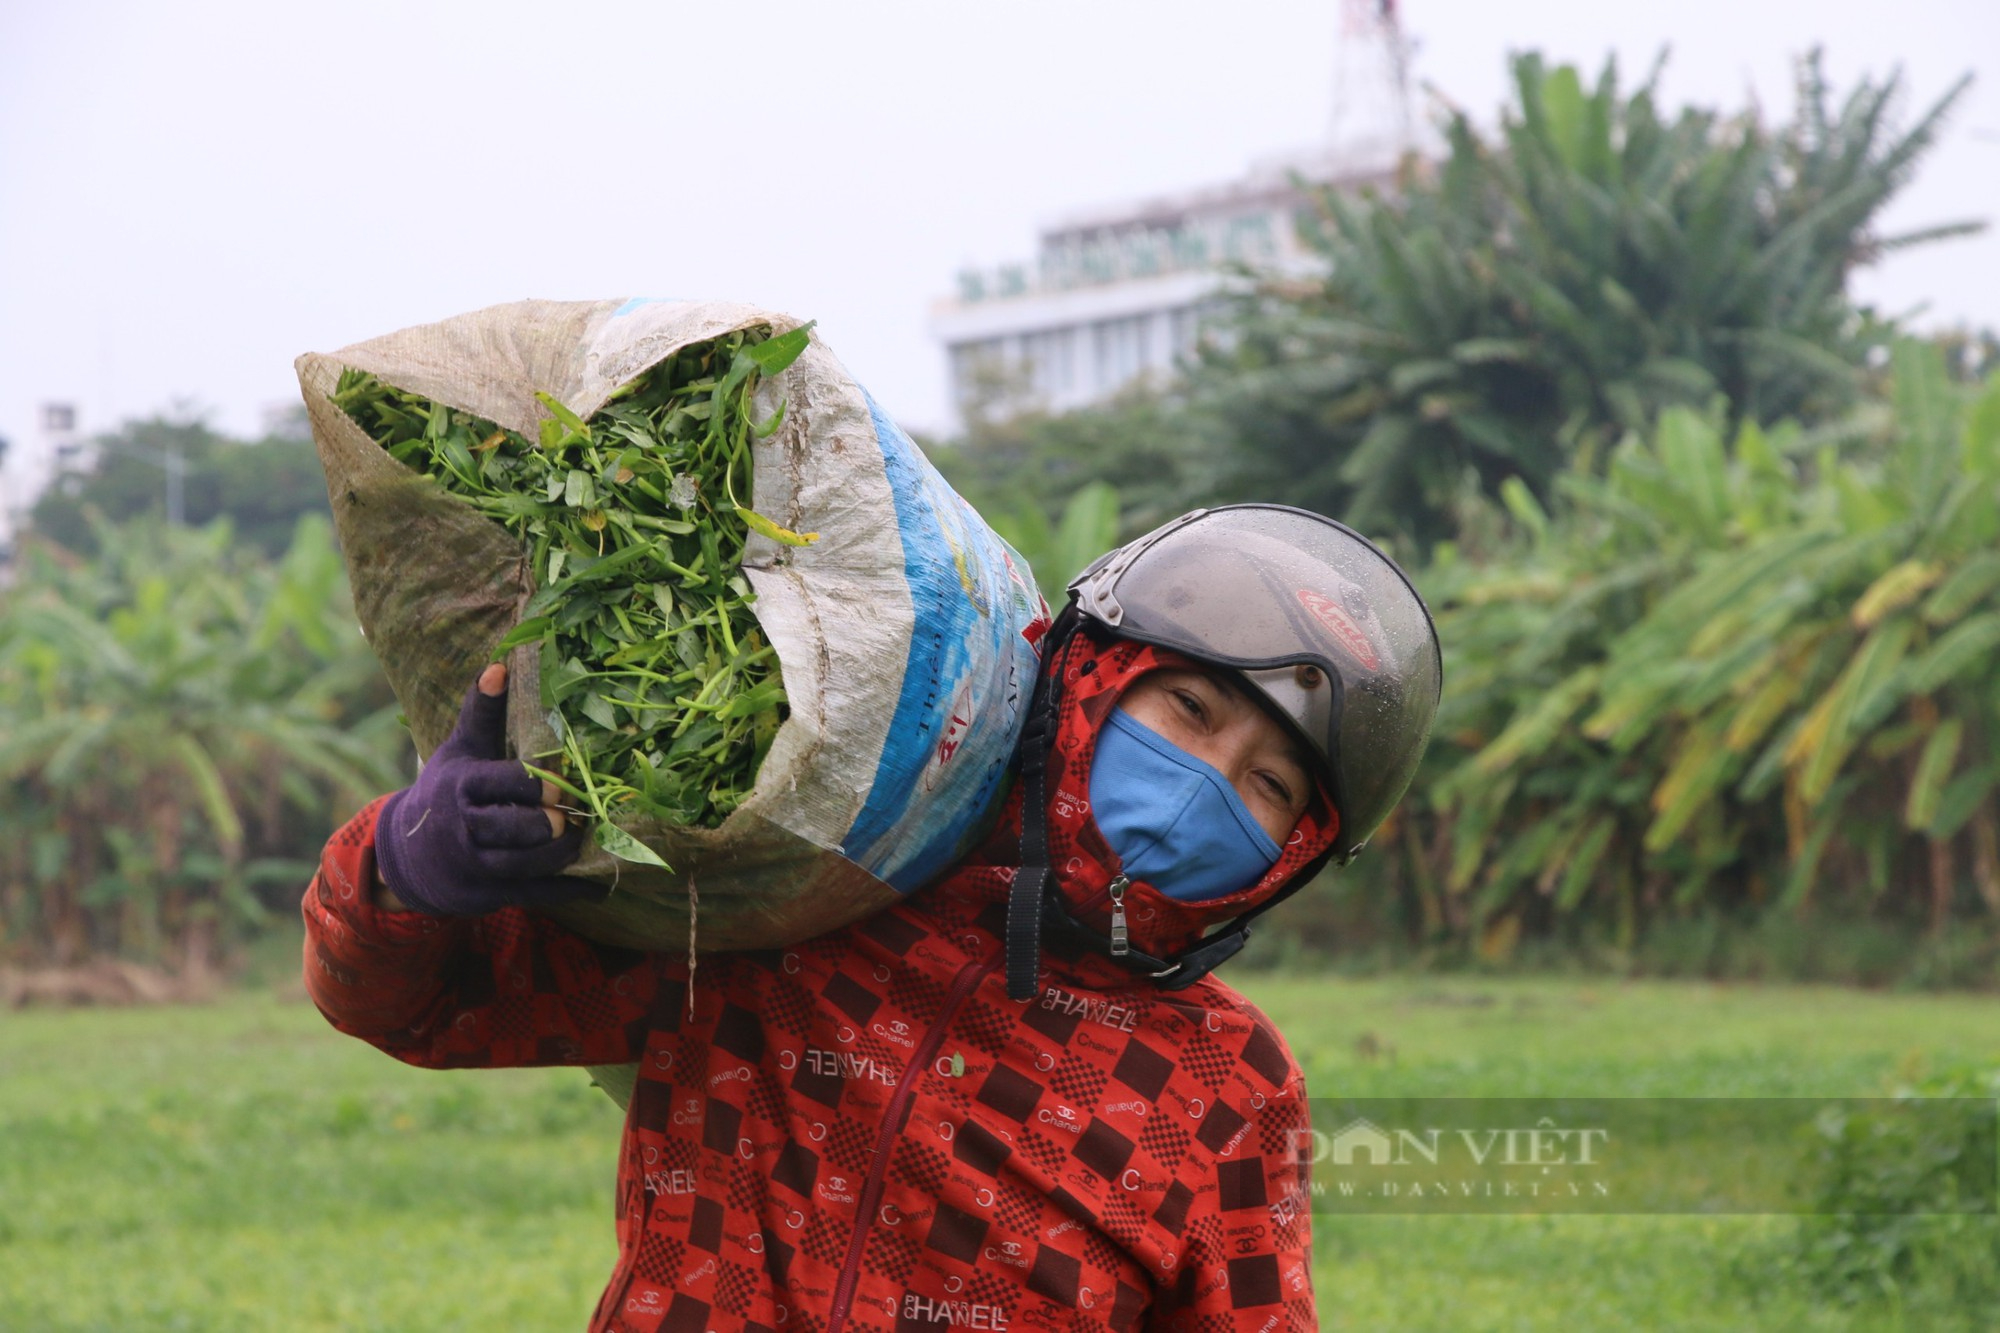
point(1120, 940)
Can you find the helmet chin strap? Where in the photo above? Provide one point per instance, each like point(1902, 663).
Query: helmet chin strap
point(1192, 963)
point(1031, 904)
point(1031, 881)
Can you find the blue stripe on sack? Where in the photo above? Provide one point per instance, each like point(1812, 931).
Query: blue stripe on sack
point(964, 635)
point(638, 301)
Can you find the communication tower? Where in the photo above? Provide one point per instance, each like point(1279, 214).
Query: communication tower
point(1372, 124)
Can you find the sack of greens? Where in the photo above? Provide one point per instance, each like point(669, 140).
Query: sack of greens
point(753, 634)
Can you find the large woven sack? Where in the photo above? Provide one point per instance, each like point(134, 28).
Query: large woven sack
point(905, 633)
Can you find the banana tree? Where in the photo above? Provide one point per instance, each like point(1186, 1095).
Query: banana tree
point(178, 721)
point(1541, 292)
point(1058, 552)
point(1752, 671)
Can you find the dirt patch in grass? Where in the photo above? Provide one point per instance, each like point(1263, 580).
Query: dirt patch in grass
point(102, 981)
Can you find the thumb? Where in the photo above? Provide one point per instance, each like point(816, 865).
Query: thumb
point(481, 732)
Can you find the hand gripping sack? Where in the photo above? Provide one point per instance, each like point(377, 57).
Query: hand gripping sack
point(905, 634)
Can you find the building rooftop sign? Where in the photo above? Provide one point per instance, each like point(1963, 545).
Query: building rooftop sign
point(1121, 294)
point(1126, 253)
point(1249, 222)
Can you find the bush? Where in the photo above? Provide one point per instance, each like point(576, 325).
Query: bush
point(1868, 1241)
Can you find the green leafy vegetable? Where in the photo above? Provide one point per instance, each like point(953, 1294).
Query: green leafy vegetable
point(661, 685)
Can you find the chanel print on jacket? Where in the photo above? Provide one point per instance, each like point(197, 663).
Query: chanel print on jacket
point(863, 1132)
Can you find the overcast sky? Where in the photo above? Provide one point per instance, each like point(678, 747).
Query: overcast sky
point(193, 193)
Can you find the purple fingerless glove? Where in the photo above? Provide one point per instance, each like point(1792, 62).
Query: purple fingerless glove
point(469, 836)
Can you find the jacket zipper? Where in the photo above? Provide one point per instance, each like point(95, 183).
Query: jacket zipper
point(892, 1127)
point(1120, 940)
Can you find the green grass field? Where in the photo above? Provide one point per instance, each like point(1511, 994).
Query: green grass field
point(241, 1166)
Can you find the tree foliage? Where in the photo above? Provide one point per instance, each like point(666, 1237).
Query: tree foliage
point(263, 487)
point(1057, 552)
point(1751, 671)
point(180, 721)
point(1153, 447)
point(1539, 294)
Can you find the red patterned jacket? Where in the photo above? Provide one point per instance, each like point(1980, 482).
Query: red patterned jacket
point(863, 1132)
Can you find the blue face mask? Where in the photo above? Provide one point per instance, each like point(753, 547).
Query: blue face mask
point(1175, 821)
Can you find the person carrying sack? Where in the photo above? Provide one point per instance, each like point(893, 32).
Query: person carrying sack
point(1017, 1099)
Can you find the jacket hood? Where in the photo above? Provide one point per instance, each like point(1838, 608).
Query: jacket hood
point(1095, 675)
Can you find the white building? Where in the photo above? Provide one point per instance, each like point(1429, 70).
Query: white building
point(1119, 294)
point(27, 467)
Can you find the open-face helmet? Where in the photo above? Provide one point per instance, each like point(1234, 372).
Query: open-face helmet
point(1327, 628)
